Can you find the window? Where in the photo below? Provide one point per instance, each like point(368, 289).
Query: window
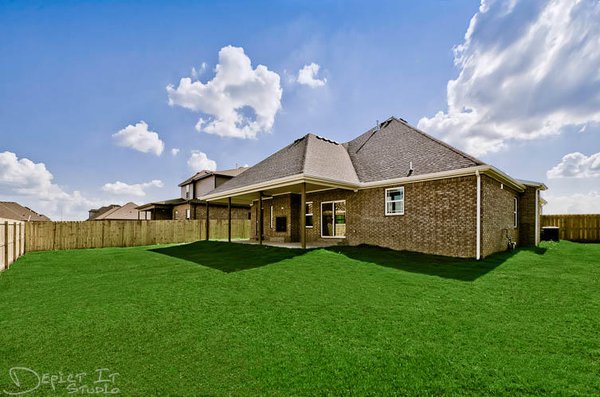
point(333, 219)
point(187, 192)
point(394, 201)
point(516, 213)
point(308, 213)
point(281, 224)
point(188, 213)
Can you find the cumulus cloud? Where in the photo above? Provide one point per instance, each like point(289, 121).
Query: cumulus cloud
point(32, 184)
point(174, 151)
point(238, 102)
point(140, 138)
point(577, 203)
point(137, 189)
point(527, 69)
point(308, 76)
point(199, 161)
point(576, 165)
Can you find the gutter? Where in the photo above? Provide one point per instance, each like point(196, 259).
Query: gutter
point(298, 178)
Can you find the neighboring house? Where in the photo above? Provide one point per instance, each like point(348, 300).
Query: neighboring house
point(94, 213)
point(127, 212)
point(15, 211)
point(189, 206)
point(393, 186)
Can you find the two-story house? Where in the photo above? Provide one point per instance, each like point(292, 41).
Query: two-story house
point(189, 206)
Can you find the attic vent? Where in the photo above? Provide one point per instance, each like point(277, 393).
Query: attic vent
point(326, 140)
point(377, 126)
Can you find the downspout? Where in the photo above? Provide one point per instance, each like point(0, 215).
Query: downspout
point(478, 243)
point(536, 239)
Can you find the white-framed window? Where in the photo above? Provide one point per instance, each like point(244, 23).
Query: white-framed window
point(333, 219)
point(516, 213)
point(394, 201)
point(187, 191)
point(308, 214)
point(188, 213)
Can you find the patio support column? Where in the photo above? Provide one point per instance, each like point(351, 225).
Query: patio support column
point(229, 219)
point(207, 220)
point(302, 215)
point(260, 218)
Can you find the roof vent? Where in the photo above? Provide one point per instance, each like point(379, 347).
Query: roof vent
point(410, 169)
point(377, 126)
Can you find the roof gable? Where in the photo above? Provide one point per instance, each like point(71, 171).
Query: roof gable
point(387, 153)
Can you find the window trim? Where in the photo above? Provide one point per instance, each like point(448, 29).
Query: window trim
point(188, 213)
point(321, 220)
point(385, 201)
point(309, 214)
point(515, 213)
point(271, 218)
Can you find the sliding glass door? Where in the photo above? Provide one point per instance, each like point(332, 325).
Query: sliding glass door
point(333, 219)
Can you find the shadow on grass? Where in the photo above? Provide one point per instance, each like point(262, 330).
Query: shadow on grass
point(229, 257)
point(432, 265)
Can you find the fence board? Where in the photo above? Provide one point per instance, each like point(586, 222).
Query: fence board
point(43, 236)
point(12, 238)
point(584, 228)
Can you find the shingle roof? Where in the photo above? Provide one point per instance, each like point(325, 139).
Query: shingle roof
point(125, 212)
point(12, 210)
point(387, 153)
point(376, 155)
point(206, 173)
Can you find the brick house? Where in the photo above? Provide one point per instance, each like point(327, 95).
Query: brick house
point(393, 186)
point(189, 206)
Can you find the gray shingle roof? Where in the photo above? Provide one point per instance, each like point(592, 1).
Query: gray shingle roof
point(206, 173)
point(376, 155)
point(387, 153)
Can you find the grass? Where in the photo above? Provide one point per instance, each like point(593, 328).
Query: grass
point(213, 318)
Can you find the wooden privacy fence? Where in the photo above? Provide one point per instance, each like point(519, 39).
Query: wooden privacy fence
point(12, 242)
point(42, 236)
point(585, 228)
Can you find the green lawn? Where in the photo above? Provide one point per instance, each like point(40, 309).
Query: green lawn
point(213, 318)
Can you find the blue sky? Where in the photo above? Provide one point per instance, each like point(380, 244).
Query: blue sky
point(74, 74)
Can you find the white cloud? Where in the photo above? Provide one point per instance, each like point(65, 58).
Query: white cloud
point(308, 76)
point(175, 151)
point(196, 73)
point(32, 184)
point(576, 165)
point(137, 189)
point(240, 101)
point(577, 203)
point(527, 69)
point(140, 138)
point(199, 161)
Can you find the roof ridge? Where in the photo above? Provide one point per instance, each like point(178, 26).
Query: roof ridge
point(307, 137)
point(439, 141)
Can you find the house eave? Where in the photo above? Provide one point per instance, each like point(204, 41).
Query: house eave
point(300, 178)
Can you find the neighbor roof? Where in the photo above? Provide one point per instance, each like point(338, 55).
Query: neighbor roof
point(126, 212)
point(206, 173)
point(377, 155)
point(12, 210)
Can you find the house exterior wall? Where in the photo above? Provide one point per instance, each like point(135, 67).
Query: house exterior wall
point(497, 216)
point(203, 186)
point(282, 206)
point(527, 202)
point(179, 211)
point(219, 211)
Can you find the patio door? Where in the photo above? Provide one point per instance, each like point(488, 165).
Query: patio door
point(333, 219)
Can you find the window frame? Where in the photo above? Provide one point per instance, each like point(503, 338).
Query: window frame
point(306, 214)
point(188, 213)
point(385, 201)
point(333, 208)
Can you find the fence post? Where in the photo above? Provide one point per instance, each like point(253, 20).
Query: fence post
point(14, 241)
point(5, 244)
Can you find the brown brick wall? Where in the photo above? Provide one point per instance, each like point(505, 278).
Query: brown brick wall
point(439, 218)
point(527, 216)
point(219, 211)
point(497, 216)
point(282, 206)
point(179, 211)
